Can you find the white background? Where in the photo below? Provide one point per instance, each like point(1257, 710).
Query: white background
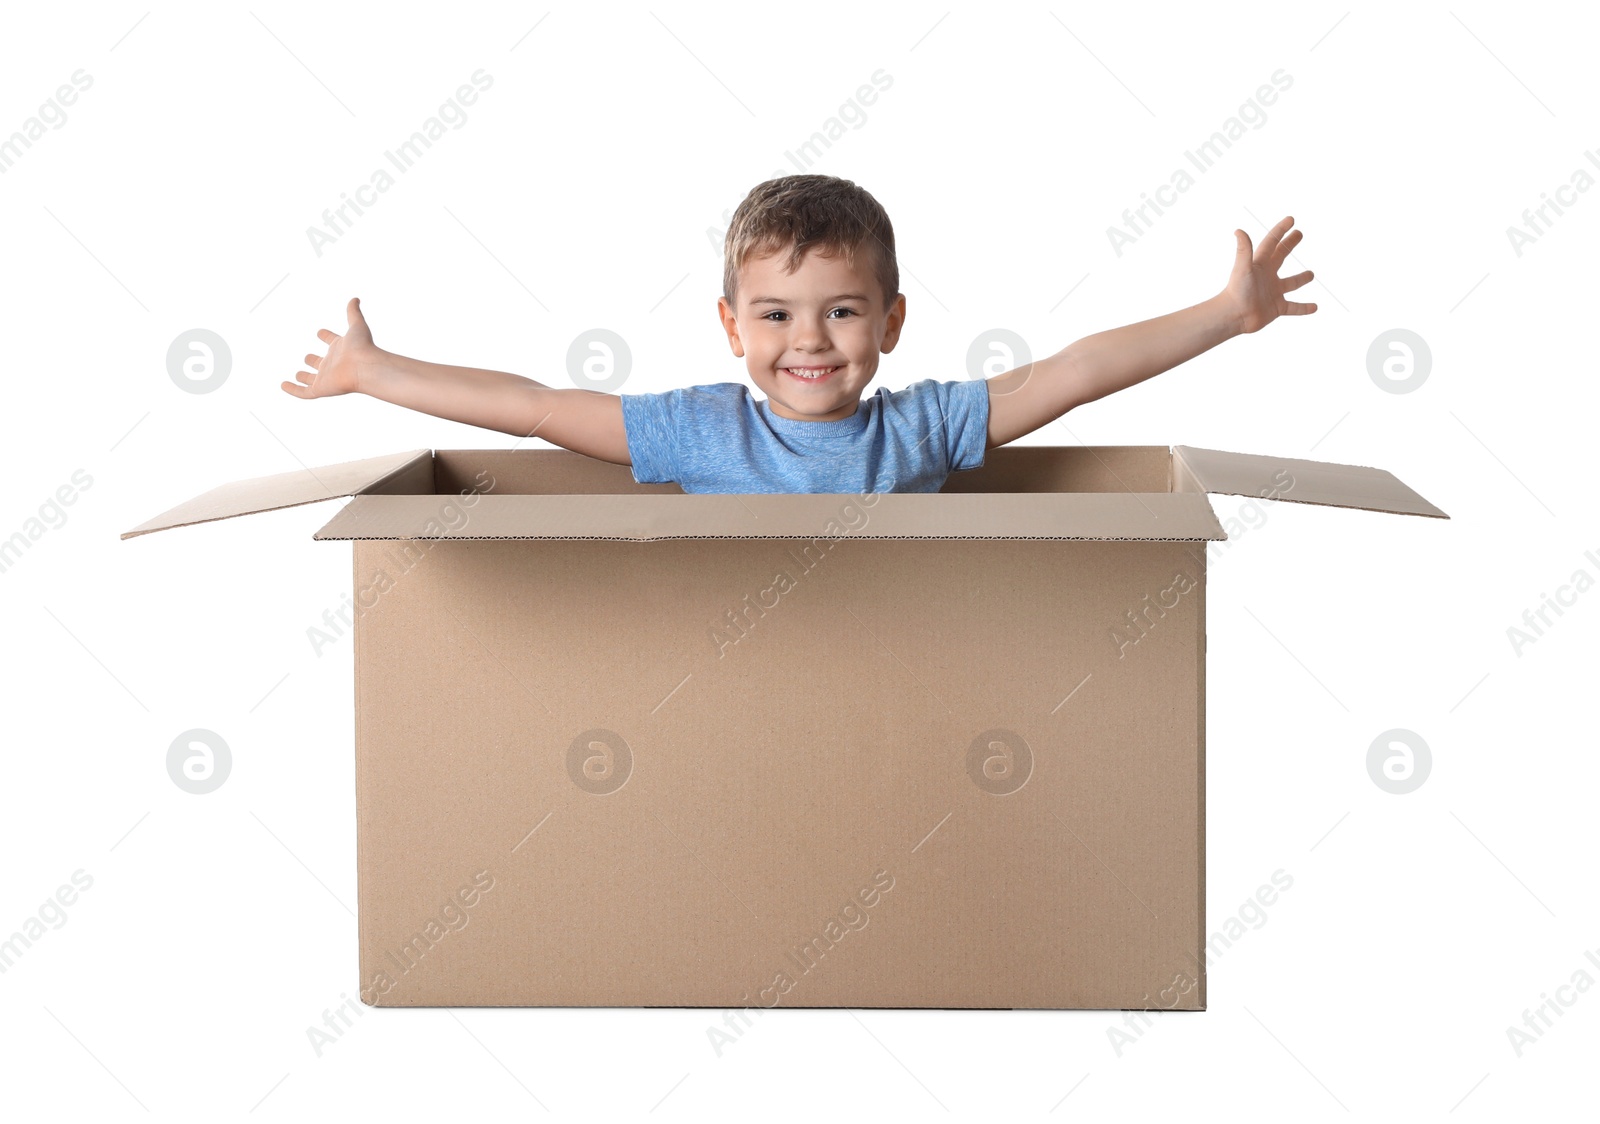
point(578, 194)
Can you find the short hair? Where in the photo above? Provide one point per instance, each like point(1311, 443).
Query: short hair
point(804, 212)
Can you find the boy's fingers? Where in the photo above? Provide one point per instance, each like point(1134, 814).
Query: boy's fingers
point(1295, 236)
point(1242, 241)
point(353, 309)
point(1268, 244)
point(325, 335)
point(314, 362)
point(1289, 243)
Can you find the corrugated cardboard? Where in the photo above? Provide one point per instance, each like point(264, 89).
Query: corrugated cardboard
point(619, 745)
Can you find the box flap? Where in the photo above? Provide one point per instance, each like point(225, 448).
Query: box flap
point(410, 471)
point(989, 515)
point(1337, 485)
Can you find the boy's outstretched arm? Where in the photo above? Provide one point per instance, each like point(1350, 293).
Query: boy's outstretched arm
point(585, 421)
point(1022, 400)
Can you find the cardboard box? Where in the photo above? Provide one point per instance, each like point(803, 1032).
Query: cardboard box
point(620, 745)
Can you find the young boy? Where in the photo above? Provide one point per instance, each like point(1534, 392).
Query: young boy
point(811, 299)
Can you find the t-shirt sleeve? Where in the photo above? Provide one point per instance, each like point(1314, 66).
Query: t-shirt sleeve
point(964, 403)
point(651, 424)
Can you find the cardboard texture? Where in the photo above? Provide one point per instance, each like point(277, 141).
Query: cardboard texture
point(619, 745)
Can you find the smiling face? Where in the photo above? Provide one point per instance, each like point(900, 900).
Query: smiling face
point(825, 315)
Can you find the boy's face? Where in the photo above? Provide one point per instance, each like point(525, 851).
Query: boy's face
point(825, 314)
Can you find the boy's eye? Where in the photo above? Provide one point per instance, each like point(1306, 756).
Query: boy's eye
point(780, 312)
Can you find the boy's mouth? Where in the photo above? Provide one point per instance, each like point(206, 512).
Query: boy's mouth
point(809, 374)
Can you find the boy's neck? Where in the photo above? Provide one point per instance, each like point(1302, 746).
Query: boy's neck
point(855, 408)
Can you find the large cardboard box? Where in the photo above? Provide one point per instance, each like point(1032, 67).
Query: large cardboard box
point(620, 745)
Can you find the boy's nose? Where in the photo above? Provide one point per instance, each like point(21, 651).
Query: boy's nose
point(813, 333)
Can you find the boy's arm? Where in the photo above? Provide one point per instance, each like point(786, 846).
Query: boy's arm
point(585, 421)
point(1022, 400)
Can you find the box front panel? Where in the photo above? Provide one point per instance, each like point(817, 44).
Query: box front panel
point(730, 773)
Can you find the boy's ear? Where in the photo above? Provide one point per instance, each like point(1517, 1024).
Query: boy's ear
point(730, 325)
point(896, 319)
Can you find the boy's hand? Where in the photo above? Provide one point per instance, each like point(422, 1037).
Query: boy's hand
point(1255, 291)
point(339, 371)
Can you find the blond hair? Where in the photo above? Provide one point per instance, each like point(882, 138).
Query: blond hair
point(805, 212)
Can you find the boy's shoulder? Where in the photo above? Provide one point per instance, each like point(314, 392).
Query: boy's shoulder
point(699, 390)
point(935, 388)
point(940, 397)
point(698, 399)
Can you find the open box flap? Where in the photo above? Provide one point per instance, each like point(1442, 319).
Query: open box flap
point(410, 471)
point(989, 515)
point(1286, 478)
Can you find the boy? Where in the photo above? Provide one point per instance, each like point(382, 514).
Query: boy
point(811, 298)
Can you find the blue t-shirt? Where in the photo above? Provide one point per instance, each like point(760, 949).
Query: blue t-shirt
point(717, 438)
